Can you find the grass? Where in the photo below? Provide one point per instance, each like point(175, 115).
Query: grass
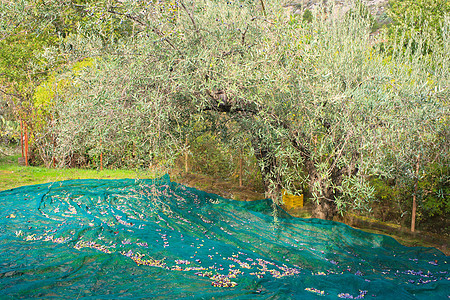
point(12, 175)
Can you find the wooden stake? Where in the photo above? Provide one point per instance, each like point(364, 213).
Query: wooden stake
point(21, 135)
point(101, 157)
point(54, 147)
point(414, 207)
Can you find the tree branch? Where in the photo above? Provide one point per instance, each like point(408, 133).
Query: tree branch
point(304, 152)
point(221, 103)
point(243, 36)
point(347, 137)
point(225, 54)
point(191, 17)
point(263, 8)
point(155, 30)
point(20, 97)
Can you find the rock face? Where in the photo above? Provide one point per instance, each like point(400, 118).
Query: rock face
point(376, 7)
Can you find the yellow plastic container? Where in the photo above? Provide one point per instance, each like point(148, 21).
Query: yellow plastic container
point(292, 201)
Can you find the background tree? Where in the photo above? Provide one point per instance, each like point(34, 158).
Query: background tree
point(423, 42)
point(425, 17)
point(32, 47)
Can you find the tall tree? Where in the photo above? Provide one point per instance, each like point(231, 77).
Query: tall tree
point(319, 96)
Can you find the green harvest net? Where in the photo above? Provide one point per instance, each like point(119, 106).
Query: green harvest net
point(156, 239)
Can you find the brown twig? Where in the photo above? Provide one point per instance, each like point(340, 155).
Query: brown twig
point(20, 97)
point(191, 17)
point(349, 134)
point(243, 36)
point(154, 29)
point(263, 8)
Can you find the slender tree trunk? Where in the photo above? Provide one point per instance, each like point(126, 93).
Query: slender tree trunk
point(271, 182)
point(414, 206)
point(186, 157)
point(53, 160)
point(263, 7)
point(240, 169)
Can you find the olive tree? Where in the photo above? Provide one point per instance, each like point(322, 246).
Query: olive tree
point(320, 98)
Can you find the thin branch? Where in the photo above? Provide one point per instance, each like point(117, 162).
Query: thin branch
point(20, 97)
point(154, 29)
point(225, 54)
point(191, 17)
point(349, 134)
point(243, 36)
point(223, 104)
point(263, 8)
point(305, 153)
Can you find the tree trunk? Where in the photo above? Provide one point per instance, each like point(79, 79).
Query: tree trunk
point(325, 210)
point(101, 156)
point(325, 207)
point(240, 169)
point(272, 190)
point(413, 214)
point(270, 178)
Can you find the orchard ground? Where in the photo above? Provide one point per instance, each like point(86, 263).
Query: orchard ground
point(12, 175)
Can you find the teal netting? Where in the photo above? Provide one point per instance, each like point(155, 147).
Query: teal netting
point(108, 239)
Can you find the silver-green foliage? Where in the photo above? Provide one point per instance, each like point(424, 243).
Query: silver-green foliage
point(106, 114)
point(321, 98)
